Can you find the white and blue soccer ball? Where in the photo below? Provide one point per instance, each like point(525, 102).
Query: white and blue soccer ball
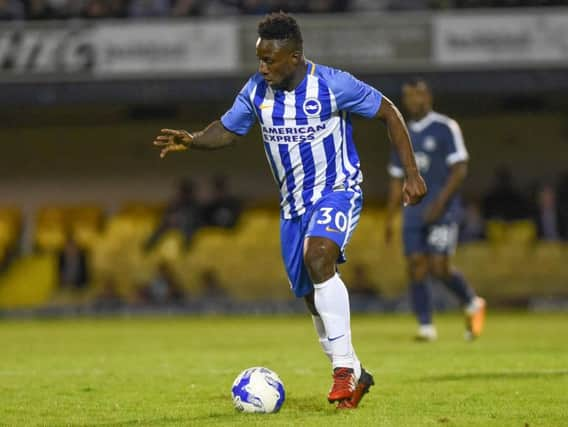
point(258, 390)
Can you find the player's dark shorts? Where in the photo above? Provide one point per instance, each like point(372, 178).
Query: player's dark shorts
point(334, 216)
point(440, 238)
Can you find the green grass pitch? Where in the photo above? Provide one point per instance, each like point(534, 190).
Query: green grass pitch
point(178, 371)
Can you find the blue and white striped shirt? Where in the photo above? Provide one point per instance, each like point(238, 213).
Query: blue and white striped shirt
point(307, 132)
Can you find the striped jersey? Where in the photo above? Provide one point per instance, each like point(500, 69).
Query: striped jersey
point(307, 132)
point(438, 144)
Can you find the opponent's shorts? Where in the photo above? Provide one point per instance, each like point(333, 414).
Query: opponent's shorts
point(334, 217)
point(439, 238)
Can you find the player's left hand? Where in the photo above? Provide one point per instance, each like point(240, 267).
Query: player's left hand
point(172, 140)
point(413, 189)
point(433, 211)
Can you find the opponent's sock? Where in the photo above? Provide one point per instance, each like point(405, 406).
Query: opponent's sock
point(457, 284)
point(332, 303)
point(324, 342)
point(421, 299)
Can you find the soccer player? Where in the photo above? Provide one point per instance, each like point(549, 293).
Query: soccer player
point(430, 228)
point(304, 112)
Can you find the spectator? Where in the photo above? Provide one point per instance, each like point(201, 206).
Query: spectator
point(183, 213)
point(223, 209)
point(98, 9)
point(503, 201)
point(163, 288)
point(409, 4)
point(38, 9)
point(11, 9)
point(473, 226)
point(72, 266)
point(547, 216)
point(251, 7)
point(321, 6)
point(187, 8)
point(562, 204)
point(148, 8)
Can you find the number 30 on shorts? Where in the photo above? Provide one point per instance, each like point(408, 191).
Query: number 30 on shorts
point(339, 218)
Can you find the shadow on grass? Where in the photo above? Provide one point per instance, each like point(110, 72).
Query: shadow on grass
point(305, 406)
point(495, 375)
point(301, 406)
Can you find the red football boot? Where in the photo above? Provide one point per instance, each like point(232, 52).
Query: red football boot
point(343, 385)
point(363, 385)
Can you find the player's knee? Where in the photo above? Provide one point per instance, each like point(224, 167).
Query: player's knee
point(440, 270)
point(418, 270)
point(310, 304)
point(319, 263)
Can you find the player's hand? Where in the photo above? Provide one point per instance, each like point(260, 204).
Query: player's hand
point(433, 211)
point(413, 189)
point(172, 140)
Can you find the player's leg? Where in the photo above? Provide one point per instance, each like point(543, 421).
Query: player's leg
point(451, 278)
point(442, 242)
point(318, 325)
point(415, 243)
point(421, 296)
point(364, 379)
point(331, 301)
point(474, 306)
point(331, 225)
point(292, 234)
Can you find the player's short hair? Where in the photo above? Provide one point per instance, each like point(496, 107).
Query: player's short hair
point(415, 81)
point(280, 26)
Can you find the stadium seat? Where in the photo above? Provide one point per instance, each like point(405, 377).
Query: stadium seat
point(29, 282)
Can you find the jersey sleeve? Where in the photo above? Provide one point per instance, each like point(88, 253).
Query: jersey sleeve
point(456, 151)
point(241, 116)
point(395, 166)
point(355, 96)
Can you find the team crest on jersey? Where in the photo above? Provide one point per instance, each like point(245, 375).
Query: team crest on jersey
point(311, 107)
point(422, 161)
point(429, 144)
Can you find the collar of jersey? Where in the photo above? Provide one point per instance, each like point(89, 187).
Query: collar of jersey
point(423, 122)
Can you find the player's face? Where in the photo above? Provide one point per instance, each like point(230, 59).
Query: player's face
point(416, 100)
point(277, 62)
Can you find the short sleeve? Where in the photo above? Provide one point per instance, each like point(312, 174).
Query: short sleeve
point(355, 96)
point(456, 146)
point(395, 166)
point(241, 116)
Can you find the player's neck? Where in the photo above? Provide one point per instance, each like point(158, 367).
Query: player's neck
point(298, 76)
point(421, 115)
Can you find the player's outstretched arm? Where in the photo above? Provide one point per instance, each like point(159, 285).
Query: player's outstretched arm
point(414, 187)
point(213, 137)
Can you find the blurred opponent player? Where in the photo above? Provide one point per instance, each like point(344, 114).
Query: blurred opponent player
point(304, 111)
point(430, 229)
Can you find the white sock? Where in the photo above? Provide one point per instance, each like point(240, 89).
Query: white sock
point(320, 329)
point(324, 342)
point(356, 362)
point(332, 303)
point(473, 306)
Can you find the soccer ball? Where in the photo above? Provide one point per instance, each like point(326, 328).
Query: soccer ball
point(258, 390)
